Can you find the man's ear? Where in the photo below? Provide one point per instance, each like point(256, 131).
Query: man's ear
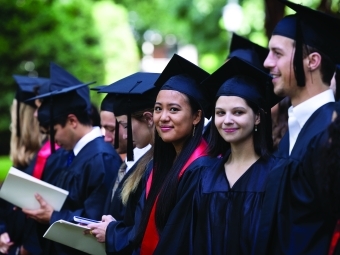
point(72, 120)
point(313, 61)
point(149, 118)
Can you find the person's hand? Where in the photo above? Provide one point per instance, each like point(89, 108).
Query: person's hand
point(5, 243)
point(23, 251)
point(43, 214)
point(98, 230)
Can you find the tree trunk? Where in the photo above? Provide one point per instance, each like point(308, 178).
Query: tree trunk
point(274, 13)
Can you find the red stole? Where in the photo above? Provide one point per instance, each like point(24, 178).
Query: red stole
point(43, 154)
point(335, 238)
point(151, 238)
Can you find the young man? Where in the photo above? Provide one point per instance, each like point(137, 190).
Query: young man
point(91, 166)
point(296, 218)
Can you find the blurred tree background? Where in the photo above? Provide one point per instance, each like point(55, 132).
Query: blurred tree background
point(103, 40)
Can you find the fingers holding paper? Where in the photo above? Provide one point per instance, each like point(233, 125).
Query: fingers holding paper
point(99, 229)
point(43, 214)
point(5, 243)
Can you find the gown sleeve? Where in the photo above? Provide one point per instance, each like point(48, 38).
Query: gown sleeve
point(89, 189)
point(120, 234)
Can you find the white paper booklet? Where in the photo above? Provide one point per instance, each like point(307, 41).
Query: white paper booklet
point(72, 235)
point(19, 189)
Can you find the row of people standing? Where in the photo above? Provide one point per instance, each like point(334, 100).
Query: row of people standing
point(230, 195)
point(240, 199)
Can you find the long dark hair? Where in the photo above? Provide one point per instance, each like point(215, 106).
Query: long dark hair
point(263, 142)
point(166, 170)
point(331, 164)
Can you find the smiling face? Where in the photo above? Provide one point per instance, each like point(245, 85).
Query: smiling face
point(234, 119)
point(174, 117)
point(280, 64)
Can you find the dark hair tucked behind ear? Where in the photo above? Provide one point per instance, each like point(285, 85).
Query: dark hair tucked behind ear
point(81, 114)
point(327, 67)
point(263, 142)
point(330, 163)
point(166, 171)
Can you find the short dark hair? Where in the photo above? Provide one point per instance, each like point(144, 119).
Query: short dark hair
point(82, 115)
point(327, 65)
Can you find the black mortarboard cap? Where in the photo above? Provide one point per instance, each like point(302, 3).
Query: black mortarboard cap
point(245, 49)
point(239, 78)
point(185, 77)
point(25, 90)
point(108, 100)
point(63, 93)
point(312, 28)
point(60, 102)
point(130, 94)
point(337, 83)
point(60, 79)
point(27, 87)
point(108, 103)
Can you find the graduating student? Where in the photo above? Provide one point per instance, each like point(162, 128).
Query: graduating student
point(113, 135)
point(91, 165)
point(179, 158)
point(229, 199)
point(26, 140)
point(133, 108)
point(302, 58)
point(248, 51)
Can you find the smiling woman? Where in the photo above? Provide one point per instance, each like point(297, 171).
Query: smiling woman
point(174, 117)
point(229, 197)
point(179, 159)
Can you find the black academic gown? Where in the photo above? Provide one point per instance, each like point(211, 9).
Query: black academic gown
point(117, 232)
point(176, 237)
point(10, 220)
point(294, 219)
point(88, 180)
point(24, 231)
point(228, 217)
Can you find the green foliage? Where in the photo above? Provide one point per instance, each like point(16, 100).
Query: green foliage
point(90, 39)
point(197, 22)
point(5, 164)
point(38, 32)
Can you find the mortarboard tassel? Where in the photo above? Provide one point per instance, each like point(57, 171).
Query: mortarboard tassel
point(298, 56)
point(117, 135)
point(52, 127)
point(129, 139)
point(337, 83)
point(18, 119)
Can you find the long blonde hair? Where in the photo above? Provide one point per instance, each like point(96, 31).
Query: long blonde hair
point(23, 148)
point(131, 183)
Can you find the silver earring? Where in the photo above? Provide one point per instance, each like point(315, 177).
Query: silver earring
point(193, 131)
point(255, 128)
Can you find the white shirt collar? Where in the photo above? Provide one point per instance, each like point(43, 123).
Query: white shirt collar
point(93, 134)
point(302, 112)
point(137, 153)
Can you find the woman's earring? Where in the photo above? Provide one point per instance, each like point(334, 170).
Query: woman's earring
point(193, 131)
point(255, 128)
